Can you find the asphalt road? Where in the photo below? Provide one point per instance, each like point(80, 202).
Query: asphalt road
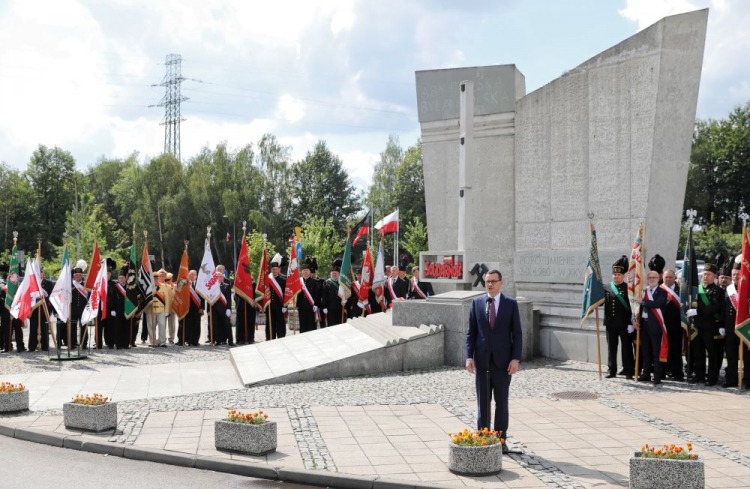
point(31, 465)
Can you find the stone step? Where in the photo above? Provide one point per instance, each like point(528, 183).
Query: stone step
point(381, 336)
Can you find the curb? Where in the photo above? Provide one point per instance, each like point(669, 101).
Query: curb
point(246, 469)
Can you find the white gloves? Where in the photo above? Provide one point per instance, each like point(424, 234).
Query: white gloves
point(229, 313)
point(325, 311)
point(315, 308)
point(631, 328)
point(692, 313)
point(113, 314)
point(722, 331)
point(283, 310)
point(361, 305)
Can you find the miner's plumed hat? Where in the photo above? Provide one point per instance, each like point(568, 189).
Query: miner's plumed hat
point(657, 264)
point(314, 265)
point(710, 267)
point(726, 269)
point(735, 266)
point(80, 266)
point(306, 264)
point(621, 265)
point(111, 264)
point(284, 262)
point(336, 267)
point(124, 270)
point(276, 260)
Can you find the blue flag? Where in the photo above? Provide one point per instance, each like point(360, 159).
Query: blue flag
point(593, 289)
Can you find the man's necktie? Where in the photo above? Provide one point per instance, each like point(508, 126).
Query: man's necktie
point(492, 313)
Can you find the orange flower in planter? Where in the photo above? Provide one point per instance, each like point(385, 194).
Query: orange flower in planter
point(9, 387)
point(94, 400)
point(248, 418)
point(479, 438)
point(666, 452)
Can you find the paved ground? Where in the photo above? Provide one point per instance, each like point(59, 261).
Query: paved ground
point(396, 425)
point(35, 466)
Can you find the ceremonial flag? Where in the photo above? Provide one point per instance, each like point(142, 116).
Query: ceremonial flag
point(145, 279)
point(98, 298)
point(293, 283)
point(593, 289)
point(131, 285)
point(367, 277)
point(635, 271)
point(362, 228)
point(243, 280)
point(14, 274)
point(378, 279)
point(689, 284)
point(262, 292)
point(181, 298)
point(28, 293)
point(207, 285)
point(298, 233)
point(61, 293)
point(93, 268)
point(742, 323)
point(389, 224)
point(345, 276)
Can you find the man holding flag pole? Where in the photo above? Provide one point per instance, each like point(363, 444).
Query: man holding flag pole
point(593, 297)
point(742, 321)
point(262, 292)
point(244, 294)
point(635, 289)
point(207, 285)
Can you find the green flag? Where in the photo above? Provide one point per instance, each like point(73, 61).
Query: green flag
point(14, 274)
point(345, 276)
point(593, 289)
point(131, 286)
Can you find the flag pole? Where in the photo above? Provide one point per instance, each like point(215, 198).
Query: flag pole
point(236, 267)
point(691, 213)
point(9, 346)
point(38, 316)
point(598, 345)
point(742, 354)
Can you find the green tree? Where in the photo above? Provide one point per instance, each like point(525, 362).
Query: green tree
point(320, 240)
point(16, 210)
point(255, 251)
point(414, 238)
point(381, 197)
point(711, 240)
point(410, 185)
point(323, 188)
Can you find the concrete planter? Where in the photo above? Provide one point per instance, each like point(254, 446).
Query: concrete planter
point(14, 401)
point(654, 473)
point(254, 439)
point(90, 418)
point(475, 461)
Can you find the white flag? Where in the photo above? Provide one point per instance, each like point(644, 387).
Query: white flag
point(98, 297)
point(379, 278)
point(27, 294)
point(207, 285)
point(61, 293)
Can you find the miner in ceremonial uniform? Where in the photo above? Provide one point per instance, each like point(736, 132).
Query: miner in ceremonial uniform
point(38, 319)
point(196, 311)
point(673, 320)
point(222, 311)
point(617, 320)
point(79, 299)
point(354, 306)
point(245, 319)
point(308, 301)
point(706, 316)
point(332, 306)
point(732, 342)
point(653, 329)
point(117, 324)
point(417, 288)
point(275, 312)
point(160, 307)
point(106, 327)
point(172, 318)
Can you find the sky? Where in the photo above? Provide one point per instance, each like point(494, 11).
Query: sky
point(84, 75)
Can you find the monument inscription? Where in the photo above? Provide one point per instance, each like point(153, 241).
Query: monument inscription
point(558, 266)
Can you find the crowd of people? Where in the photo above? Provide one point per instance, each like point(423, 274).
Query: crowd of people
point(317, 306)
point(682, 347)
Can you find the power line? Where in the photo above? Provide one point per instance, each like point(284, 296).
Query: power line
point(171, 102)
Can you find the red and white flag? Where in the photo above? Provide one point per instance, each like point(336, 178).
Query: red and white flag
point(27, 294)
point(96, 264)
point(293, 283)
point(98, 298)
point(243, 279)
point(389, 224)
point(207, 285)
point(367, 277)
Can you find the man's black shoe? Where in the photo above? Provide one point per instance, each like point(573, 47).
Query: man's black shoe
point(621, 372)
point(710, 383)
point(610, 376)
point(644, 378)
point(629, 377)
point(657, 381)
point(505, 449)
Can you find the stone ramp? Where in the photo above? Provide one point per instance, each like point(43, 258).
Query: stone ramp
point(361, 346)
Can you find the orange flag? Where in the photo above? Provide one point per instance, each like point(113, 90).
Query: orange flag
point(93, 271)
point(243, 280)
point(293, 284)
point(181, 299)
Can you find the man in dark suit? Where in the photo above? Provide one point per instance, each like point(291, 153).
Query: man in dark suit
point(276, 312)
point(38, 320)
point(673, 318)
point(493, 351)
point(308, 302)
point(654, 340)
point(222, 312)
point(192, 320)
point(706, 316)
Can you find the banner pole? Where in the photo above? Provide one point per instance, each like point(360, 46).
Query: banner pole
point(211, 323)
point(637, 345)
point(245, 308)
point(742, 354)
point(269, 315)
point(598, 344)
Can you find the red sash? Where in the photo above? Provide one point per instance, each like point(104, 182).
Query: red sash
point(194, 296)
point(276, 287)
point(80, 289)
point(390, 289)
point(659, 317)
point(309, 298)
point(416, 287)
point(121, 289)
point(733, 297)
point(222, 298)
point(355, 288)
point(672, 296)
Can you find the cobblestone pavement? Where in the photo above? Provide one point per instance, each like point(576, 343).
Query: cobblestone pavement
point(449, 387)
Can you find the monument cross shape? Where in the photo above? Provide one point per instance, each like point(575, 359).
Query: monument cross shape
point(479, 270)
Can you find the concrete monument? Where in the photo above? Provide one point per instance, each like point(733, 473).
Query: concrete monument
point(610, 137)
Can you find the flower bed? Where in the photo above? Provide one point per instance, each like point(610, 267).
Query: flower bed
point(667, 467)
point(13, 397)
point(250, 433)
point(475, 453)
point(91, 413)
